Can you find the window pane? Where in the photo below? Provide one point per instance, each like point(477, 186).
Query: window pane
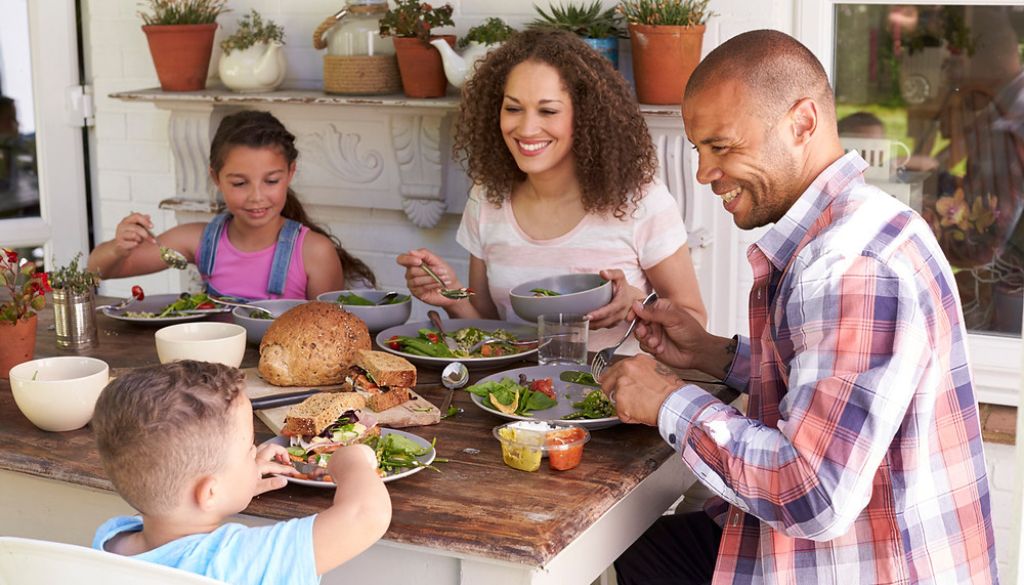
point(19, 181)
point(933, 97)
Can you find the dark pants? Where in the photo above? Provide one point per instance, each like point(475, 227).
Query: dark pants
point(677, 550)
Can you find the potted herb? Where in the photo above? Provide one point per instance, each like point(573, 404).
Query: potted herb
point(476, 44)
point(601, 29)
point(252, 59)
point(180, 35)
point(411, 24)
point(74, 304)
point(666, 38)
point(22, 291)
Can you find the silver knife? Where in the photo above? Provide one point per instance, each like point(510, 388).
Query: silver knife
point(435, 318)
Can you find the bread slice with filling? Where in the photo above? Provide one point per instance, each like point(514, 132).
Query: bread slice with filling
point(316, 413)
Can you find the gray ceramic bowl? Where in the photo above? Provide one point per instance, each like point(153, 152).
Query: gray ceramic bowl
point(580, 293)
point(377, 318)
point(255, 328)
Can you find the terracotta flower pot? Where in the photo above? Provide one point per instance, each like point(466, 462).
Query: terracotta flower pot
point(421, 67)
point(181, 54)
point(19, 343)
point(663, 59)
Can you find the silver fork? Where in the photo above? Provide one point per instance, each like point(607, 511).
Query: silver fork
point(604, 357)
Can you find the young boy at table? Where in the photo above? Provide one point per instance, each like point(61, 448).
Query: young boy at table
point(177, 442)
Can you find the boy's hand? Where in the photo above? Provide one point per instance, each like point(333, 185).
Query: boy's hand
point(272, 458)
point(351, 457)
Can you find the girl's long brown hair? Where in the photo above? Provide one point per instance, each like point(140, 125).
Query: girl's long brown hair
point(256, 129)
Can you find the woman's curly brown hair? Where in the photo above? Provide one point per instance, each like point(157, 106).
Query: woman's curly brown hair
point(613, 151)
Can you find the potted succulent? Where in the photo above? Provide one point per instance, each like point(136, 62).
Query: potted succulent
point(252, 59)
point(411, 24)
point(666, 38)
point(601, 29)
point(475, 45)
point(180, 35)
point(74, 304)
point(23, 297)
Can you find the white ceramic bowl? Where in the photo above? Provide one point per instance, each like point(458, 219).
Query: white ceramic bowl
point(377, 317)
point(205, 341)
point(255, 328)
point(580, 293)
point(59, 393)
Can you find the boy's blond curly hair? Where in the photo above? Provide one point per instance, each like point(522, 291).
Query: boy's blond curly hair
point(159, 427)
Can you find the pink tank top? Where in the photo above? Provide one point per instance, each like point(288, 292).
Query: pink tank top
point(245, 274)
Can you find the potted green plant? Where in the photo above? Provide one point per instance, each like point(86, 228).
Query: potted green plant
point(411, 24)
point(252, 59)
point(180, 35)
point(74, 304)
point(666, 38)
point(492, 31)
point(600, 28)
point(23, 297)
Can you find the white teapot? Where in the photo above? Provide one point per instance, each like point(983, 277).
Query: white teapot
point(261, 67)
point(459, 68)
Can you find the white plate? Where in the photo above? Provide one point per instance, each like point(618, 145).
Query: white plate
point(155, 304)
point(520, 330)
point(425, 459)
point(575, 393)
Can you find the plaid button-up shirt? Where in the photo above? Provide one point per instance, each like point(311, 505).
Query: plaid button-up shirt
point(860, 458)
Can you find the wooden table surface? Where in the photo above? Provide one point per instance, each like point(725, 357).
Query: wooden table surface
point(475, 506)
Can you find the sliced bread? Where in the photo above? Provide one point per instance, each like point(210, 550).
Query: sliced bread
point(314, 414)
point(387, 369)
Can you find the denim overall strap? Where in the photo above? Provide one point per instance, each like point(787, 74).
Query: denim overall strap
point(283, 256)
point(208, 245)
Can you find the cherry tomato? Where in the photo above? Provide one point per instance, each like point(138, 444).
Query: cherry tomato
point(138, 293)
point(206, 305)
point(393, 342)
point(433, 338)
point(543, 385)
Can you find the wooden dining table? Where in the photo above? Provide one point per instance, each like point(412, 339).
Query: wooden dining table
point(473, 520)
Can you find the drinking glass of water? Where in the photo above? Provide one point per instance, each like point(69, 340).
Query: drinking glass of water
point(562, 338)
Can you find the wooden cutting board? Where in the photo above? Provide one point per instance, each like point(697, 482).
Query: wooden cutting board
point(416, 412)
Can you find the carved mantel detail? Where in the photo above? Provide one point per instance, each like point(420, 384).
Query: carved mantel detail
point(416, 140)
point(339, 153)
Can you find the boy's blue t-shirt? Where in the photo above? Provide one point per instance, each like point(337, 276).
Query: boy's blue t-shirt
point(280, 553)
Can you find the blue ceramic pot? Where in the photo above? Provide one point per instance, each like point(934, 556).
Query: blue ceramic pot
point(608, 47)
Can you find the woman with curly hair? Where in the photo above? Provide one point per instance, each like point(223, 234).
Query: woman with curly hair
point(563, 172)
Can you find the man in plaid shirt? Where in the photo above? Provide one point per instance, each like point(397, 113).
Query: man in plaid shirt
point(860, 458)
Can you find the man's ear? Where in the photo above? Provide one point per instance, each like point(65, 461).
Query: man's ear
point(804, 117)
point(205, 492)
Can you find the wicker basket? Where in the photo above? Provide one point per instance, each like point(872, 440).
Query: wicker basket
point(361, 75)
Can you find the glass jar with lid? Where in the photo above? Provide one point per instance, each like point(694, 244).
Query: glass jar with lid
point(356, 30)
point(358, 60)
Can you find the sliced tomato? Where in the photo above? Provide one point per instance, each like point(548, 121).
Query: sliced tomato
point(138, 293)
point(544, 386)
point(206, 305)
point(433, 338)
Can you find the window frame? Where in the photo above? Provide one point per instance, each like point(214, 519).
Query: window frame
point(995, 360)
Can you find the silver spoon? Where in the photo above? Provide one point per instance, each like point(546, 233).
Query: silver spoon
point(387, 298)
point(449, 293)
point(454, 376)
point(273, 314)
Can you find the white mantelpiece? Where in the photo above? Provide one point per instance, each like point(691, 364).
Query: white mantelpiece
point(381, 152)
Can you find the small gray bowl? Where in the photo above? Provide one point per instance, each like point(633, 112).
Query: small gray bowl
point(255, 328)
point(580, 293)
point(376, 317)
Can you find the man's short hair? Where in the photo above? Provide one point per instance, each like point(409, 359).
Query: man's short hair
point(159, 427)
point(777, 69)
point(858, 122)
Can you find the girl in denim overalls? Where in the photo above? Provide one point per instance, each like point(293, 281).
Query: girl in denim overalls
point(262, 246)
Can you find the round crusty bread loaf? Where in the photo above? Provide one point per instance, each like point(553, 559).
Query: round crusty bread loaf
point(312, 344)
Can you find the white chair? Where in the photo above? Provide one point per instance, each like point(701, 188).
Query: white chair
point(25, 561)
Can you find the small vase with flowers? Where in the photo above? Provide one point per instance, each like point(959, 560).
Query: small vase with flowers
point(23, 290)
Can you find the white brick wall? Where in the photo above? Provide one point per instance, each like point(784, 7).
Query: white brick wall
point(1002, 472)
